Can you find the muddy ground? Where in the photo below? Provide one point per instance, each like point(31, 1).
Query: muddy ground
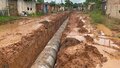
point(76, 49)
point(21, 43)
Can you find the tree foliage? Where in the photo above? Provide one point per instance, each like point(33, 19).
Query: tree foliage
point(40, 1)
point(97, 3)
point(68, 3)
point(75, 5)
point(52, 3)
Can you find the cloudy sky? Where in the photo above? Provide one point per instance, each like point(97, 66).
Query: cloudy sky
point(59, 1)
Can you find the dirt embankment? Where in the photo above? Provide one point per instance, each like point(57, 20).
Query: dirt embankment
point(22, 44)
point(76, 50)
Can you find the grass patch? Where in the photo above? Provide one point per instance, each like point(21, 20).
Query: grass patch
point(97, 17)
point(36, 14)
point(112, 23)
point(5, 19)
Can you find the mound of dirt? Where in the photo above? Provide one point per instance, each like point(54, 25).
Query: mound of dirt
point(69, 42)
point(80, 24)
point(83, 30)
point(79, 56)
point(89, 39)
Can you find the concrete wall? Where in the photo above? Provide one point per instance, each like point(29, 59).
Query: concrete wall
point(25, 5)
point(3, 7)
point(113, 8)
point(21, 6)
point(3, 4)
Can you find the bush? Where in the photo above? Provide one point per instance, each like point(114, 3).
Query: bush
point(97, 16)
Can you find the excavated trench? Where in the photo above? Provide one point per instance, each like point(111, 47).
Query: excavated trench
point(76, 49)
point(72, 46)
point(75, 45)
point(20, 45)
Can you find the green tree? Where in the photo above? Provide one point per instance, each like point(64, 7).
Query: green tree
point(68, 3)
point(75, 5)
point(52, 3)
point(97, 3)
point(40, 1)
point(62, 4)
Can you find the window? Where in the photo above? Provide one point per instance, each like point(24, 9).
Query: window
point(28, 8)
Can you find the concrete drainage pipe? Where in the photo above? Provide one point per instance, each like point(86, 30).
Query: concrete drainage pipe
point(48, 56)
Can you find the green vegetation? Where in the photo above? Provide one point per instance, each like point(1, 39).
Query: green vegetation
point(52, 3)
point(112, 23)
point(97, 16)
point(68, 3)
point(5, 19)
point(36, 14)
point(40, 1)
point(97, 3)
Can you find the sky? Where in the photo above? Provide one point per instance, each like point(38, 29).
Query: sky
point(59, 1)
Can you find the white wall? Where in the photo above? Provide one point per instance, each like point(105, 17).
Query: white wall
point(3, 4)
point(23, 5)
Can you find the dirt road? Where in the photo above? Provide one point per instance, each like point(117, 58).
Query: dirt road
point(21, 42)
point(79, 47)
point(81, 44)
point(112, 55)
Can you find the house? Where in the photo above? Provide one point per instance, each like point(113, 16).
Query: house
point(48, 8)
point(17, 7)
point(91, 6)
point(39, 7)
point(43, 7)
point(113, 8)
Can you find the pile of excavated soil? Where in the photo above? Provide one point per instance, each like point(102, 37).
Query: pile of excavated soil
point(89, 39)
point(78, 55)
point(83, 30)
point(75, 51)
point(20, 45)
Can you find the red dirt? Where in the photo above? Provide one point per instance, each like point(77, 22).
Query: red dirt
point(76, 54)
point(80, 24)
point(89, 39)
point(79, 56)
point(83, 30)
point(21, 47)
